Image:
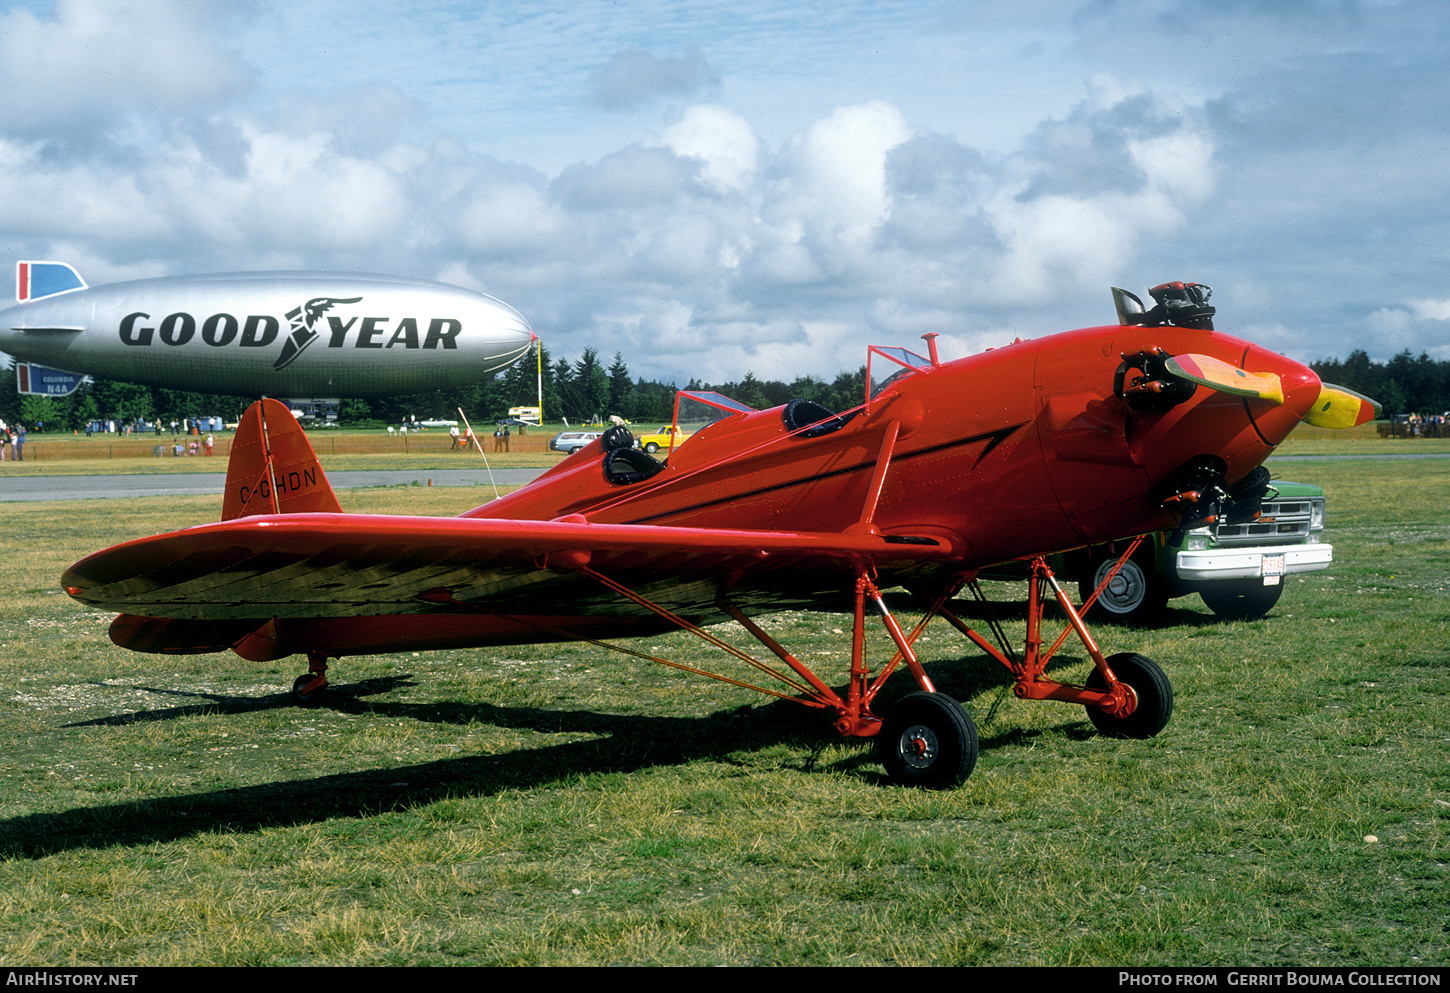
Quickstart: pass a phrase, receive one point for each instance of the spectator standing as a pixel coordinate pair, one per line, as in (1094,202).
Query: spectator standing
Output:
(20,444)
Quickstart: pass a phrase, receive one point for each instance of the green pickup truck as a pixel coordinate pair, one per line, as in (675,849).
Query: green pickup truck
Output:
(1238,569)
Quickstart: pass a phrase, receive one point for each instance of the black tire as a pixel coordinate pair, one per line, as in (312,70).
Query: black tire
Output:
(1155,697)
(1136,596)
(312,699)
(1241,600)
(651,448)
(928,740)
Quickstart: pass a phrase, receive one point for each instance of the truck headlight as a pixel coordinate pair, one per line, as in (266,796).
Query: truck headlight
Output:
(1196,543)
(1316,514)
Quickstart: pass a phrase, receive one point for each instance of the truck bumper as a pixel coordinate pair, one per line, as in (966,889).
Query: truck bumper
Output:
(1215,564)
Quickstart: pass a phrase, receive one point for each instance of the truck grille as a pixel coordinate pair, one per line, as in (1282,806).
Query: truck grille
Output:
(1281,522)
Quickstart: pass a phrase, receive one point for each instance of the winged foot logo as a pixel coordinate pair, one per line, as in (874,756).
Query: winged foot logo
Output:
(301,319)
(305,326)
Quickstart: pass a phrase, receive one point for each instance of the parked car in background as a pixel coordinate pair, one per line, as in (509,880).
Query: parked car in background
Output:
(1237,569)
(660,439)
(570,442)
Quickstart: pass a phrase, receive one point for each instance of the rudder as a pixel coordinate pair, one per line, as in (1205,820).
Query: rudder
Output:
(273,469)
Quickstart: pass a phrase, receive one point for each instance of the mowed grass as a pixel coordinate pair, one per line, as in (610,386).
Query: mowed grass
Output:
(564,805)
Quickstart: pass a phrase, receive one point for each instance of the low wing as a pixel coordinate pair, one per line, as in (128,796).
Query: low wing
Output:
(297,566)
(286,572)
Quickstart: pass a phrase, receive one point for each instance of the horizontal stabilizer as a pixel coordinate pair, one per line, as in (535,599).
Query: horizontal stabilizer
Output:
(172,636)
(1338,407)
(37,280)
(1219,375)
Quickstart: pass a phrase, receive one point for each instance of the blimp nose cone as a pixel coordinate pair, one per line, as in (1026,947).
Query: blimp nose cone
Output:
(510,336)
(1301,388)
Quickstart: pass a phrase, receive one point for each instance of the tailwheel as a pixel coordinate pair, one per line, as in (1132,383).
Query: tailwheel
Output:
(304,697)
(1154,692)
(928,740)
(310,688)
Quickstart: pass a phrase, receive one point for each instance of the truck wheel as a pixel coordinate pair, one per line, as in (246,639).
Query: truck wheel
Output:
(1155,697)
(651,448)
(1241,600)
(1137,594)
(928,740)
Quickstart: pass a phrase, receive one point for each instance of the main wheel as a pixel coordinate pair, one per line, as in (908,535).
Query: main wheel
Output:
(1155,697)
(307,699)
(1137,594)
(928,740)
(1241,600)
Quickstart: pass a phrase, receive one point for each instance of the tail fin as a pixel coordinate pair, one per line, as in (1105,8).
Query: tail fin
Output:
(35,280)
(273,469)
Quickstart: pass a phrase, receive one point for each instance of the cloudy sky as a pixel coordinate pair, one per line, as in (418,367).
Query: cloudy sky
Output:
(716,187)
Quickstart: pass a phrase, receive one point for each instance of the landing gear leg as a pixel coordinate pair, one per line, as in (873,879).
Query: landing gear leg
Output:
(1126,696)
(310,689)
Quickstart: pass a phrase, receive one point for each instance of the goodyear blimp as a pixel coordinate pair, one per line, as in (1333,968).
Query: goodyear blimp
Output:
(292,334)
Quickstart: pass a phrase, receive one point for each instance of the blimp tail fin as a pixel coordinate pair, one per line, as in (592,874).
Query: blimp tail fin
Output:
(37,280)
(273,469)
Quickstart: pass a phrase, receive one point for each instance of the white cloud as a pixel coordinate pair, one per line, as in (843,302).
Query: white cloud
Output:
(510,217)
(831,178)
(95,61)
(1431,310)
(1097,185)
(849,182)
(722,140)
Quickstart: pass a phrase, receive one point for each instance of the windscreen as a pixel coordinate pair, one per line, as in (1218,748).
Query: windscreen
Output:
(885,365)
(695,410)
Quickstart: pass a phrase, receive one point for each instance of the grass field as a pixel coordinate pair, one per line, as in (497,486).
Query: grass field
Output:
(563,805)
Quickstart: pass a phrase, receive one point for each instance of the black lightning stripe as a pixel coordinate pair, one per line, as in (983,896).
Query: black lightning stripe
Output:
(993,439)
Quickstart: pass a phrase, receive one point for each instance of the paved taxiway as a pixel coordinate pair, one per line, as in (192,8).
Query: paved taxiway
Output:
(183,483)
(179,484)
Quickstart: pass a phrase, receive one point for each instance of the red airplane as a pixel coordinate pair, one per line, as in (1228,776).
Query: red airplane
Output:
(1083,437)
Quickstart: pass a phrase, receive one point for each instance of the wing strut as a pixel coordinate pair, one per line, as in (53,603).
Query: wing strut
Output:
(878,479)
(853,714)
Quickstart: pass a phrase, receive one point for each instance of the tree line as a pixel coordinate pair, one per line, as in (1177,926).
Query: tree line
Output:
(1405,384)
(581,391)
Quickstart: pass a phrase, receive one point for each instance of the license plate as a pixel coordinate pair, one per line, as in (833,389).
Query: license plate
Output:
(1272,569)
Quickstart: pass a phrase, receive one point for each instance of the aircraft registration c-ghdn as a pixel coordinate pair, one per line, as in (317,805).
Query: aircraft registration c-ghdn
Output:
(297,334)
(1088,436)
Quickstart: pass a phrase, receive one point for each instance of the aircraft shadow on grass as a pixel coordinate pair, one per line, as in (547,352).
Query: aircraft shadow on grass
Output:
(626,744)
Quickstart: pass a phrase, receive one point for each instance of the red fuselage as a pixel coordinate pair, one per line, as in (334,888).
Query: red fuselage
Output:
(1012,453)
(1017,451)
